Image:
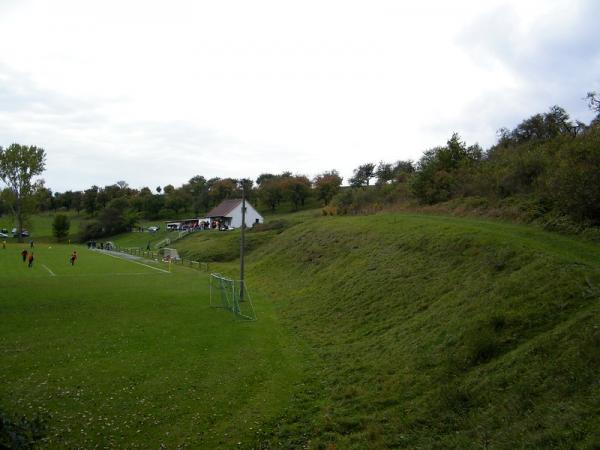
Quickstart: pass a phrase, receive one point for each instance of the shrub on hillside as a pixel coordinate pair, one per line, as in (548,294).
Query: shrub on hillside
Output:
(358,200)
(60,226)
(90,230)
(573,182)
(438,177)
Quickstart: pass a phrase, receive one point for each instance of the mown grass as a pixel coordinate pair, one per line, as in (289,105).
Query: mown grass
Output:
(116,354)
(436,332)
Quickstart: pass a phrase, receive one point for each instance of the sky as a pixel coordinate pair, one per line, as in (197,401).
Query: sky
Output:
(156,92)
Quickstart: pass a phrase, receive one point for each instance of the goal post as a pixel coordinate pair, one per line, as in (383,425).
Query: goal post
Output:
(226,293)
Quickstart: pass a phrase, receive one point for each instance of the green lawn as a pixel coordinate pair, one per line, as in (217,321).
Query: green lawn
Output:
(40,226)
(118,354)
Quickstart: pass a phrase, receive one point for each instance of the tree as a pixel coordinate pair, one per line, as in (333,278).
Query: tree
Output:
(403,170)
(61,226)
(362,175)
(178,200)
(117,217)
(296,189)
(77,202)
(270,192)
(90,200)
(593,100)
(541,127)
(246,185)
(437,178)
(42,196)
(19,164)
(198,189)
(572,179)
(384,173)
(223,189)
(327,185)
(264,177)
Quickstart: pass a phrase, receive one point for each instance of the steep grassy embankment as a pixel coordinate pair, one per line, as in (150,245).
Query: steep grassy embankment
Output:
(224,246)
(435,332)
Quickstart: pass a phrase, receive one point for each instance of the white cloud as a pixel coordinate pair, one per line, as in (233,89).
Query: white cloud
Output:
(155,93)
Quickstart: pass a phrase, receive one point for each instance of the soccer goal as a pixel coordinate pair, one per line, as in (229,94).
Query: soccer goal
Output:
(170,254)
(225,293)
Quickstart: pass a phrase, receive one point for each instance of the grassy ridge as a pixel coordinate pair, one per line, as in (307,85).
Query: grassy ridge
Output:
(438,332)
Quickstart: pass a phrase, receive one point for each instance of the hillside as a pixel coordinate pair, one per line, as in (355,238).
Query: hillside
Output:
(435,332)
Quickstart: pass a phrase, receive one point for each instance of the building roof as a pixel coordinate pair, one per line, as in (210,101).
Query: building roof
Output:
(225,207)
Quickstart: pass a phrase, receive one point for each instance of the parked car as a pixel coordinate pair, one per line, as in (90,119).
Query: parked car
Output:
(153,229)
(3,235)
(24,233)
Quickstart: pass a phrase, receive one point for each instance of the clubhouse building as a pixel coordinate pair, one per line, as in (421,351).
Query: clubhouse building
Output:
(227,215)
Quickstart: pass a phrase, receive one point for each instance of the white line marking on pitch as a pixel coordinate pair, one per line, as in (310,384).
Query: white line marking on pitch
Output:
(46,267)
(105,274)
(136,262)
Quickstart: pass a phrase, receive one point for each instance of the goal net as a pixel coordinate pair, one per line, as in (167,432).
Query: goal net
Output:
(170,254)
(225,293)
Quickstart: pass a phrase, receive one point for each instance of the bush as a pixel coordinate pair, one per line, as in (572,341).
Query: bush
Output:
(573,181)
(61,226)
(90,230)
(20,433)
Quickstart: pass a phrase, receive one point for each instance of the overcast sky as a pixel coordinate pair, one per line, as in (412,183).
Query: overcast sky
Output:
(155,92)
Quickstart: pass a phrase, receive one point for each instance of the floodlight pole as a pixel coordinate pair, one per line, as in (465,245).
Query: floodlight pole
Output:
(242,241)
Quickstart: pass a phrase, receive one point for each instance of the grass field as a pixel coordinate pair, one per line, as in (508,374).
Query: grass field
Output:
(118,354)
(374,332)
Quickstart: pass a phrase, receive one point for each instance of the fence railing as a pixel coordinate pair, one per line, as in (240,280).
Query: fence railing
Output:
(155,256)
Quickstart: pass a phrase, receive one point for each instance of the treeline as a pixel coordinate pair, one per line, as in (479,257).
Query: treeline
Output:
(117,208)
(547,168)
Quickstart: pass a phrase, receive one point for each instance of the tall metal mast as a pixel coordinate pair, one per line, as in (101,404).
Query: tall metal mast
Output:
(242,241)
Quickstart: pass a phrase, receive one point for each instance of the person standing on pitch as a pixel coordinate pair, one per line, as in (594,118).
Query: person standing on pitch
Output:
(24,255)
(73,257)
(30,260)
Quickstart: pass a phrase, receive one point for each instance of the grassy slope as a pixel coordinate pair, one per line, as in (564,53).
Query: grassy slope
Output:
(437,332)
(40,226)
(222,246)
(116,354)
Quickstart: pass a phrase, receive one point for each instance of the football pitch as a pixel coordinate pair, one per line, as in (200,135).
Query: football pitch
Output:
(121,353)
